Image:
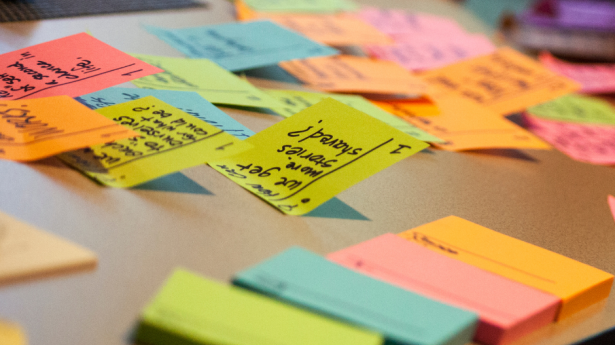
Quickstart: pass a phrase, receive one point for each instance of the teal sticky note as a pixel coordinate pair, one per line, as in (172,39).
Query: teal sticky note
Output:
(240,46)
(305,279)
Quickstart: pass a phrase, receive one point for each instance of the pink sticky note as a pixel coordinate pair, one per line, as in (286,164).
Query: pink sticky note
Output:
(612,205)
(400,22)
(586,143)
(73,66)
(507,309)
(594,78)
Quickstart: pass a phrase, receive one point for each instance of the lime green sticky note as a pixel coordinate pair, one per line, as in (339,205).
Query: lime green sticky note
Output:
(295,101)
(191,310)
(301,5)
(576,108)
(205,77)
(308,158)
(170,140)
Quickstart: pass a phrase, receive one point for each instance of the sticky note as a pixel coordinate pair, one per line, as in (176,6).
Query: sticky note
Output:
(11,334)
(37,128)
(507,310)
(399,22)
(577,285)
(576,108)
(170,140)
(295,101)
(505,81)
(28,252)
(347,73)
(190,102)
(611,200)
(318,6)
(240,46)
(585,143)
(190,310)
(422,106)
(73,66)
(309,281)
(204,77)
(594,77)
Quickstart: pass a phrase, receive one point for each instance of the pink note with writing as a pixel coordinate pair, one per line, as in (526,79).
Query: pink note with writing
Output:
(586,143)
(507,309)
(594,78)
(612,205)
(394,22)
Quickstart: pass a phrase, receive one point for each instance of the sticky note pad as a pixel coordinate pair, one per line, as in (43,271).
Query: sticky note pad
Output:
(29,252)
(37,128)
(303,161)
(73,66)
(170,140)
(301,5)
(240,46)
(307,280)
(577,285)
(11,334)
(191,310)
(507,309)
(576,108)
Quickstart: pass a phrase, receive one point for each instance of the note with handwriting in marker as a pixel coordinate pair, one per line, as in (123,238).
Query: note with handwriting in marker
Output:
(576,108)
(32,129)
(189,102)
(11,334)
(204,77)
(241,46)
(612,204)
(27,252)
(594,78)
(170,140)
(347,73)
(319,6)
(505,81)
(308,158)
(73,65)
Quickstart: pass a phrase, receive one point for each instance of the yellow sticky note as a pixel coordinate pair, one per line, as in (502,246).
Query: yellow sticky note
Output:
(577,284)
(306,159)
(205,77)
(505,81)
(170,140)
(11,334)
(32,129)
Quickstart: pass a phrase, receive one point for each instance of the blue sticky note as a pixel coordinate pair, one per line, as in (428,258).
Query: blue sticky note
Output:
(244,45)
(310,281)
(190,102)
(176,183)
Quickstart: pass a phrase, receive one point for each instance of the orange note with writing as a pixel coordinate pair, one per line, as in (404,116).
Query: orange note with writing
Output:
(422,106)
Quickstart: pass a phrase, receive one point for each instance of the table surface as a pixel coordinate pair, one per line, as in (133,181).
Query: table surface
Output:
(140,236)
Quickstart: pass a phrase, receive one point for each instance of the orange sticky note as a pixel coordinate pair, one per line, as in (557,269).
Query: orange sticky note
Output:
(505,81)
(577,285)
(243,12)
(74,65)
(612,204)
(37,128)
(344,73)
(422,106)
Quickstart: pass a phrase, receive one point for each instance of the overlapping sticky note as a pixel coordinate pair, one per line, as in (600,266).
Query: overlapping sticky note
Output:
(304,279)
(191,310)
(594,78)
(37,128)
(399,22)
(73,66)
(576,108)
(11,334)
(189,102)
(170,140)
(347,73)
(28,252)
(306,159)
(240,46)
(577,285)
(422,106)
(204,77)
(321,6)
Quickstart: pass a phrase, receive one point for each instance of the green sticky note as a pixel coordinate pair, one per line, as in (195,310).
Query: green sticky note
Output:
(192,310)
(322,6)
(576,108)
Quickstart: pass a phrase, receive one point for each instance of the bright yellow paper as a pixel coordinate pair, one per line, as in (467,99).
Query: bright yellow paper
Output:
(171,140)
(505,81)
(308,158)
(32,129)
(11,334)
(205,77)
(422,106)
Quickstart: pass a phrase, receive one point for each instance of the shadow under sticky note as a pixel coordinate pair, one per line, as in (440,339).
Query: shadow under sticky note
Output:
(336,208)
(177,182)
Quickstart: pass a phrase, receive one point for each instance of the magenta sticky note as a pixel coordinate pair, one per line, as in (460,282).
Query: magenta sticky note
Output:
(508,310)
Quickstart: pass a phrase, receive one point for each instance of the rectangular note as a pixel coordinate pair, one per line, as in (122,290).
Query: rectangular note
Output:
(303,161)
(170,140)
(318,6)
(507,310)
(73,66)
(37,128)
(593,77)
(191,310)
(306,280)
(576,108)
(577,285)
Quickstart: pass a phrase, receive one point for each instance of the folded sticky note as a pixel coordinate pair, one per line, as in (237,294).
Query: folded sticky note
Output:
(170,140)
(507,309)
(577,285)
(576,108)
(11,334)
(192,310)
(307,280)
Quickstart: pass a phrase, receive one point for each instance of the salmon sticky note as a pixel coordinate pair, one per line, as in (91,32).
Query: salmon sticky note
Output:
(576,108)
(594,78)
(577,285)
(72,66)
(11,334)
(308,158)
(37,128)
(170,140)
